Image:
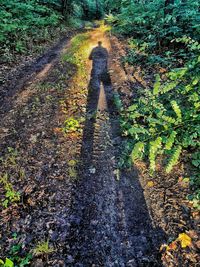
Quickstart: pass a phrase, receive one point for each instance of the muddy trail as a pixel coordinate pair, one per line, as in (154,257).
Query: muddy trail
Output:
(72,192)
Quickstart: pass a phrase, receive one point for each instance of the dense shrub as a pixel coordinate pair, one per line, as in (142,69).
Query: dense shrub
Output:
(162,122)
(24,24)
(156,23)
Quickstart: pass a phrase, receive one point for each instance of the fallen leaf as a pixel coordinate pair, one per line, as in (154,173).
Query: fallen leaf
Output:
(33,138)
(185,240)
(57,130)
(173,245)
(180,179)
(198,244)
(150,184)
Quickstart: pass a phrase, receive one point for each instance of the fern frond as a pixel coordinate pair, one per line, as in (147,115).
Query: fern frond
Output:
(156,85)
(153,150)
(136,130)
(138,151)
(133,107)
(176,109)
(166,118)
(155,121)
(170,140)
(174,159)
(168,87)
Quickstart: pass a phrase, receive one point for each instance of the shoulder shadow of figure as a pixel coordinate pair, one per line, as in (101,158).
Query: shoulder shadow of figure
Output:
(99,57)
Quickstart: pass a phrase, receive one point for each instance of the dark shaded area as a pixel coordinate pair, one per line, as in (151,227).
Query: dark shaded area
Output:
(27,73)
(45,166)
(110,221)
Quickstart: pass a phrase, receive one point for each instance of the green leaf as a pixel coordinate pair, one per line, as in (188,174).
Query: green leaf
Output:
(137,151)
(8,263)
(174,159)
(170,140)
(156,86)
(176,109)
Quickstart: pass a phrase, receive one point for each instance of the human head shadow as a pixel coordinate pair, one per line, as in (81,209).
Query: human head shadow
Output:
(135,224)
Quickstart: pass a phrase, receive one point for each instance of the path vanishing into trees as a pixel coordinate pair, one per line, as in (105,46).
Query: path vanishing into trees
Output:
(73,193)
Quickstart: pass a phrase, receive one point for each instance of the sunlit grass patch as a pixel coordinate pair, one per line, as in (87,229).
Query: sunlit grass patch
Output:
(11,195)
(75,50)
(43,248)
(72,125)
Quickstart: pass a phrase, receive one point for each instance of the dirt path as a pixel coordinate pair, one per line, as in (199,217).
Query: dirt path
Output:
(26,74)
(111,224)
(92,214)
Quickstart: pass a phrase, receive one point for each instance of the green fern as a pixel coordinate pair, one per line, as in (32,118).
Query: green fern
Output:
(168,87)
(138,151)
(170,140)
(167,118)
(43,248)
(137,130)
(174,159)
(156,86)
(153,151)
(176,109)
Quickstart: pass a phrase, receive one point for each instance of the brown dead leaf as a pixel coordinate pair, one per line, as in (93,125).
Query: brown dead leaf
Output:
(57,130)
(173,246)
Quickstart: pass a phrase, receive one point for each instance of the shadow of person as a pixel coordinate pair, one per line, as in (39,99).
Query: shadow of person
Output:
(110,223)
(99,98)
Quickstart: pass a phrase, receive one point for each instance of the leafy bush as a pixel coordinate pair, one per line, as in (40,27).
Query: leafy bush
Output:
(155,23)
(160,123)
(22,21)
(15,258)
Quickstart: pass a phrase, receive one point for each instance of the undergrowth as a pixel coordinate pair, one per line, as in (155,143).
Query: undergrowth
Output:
(165,122)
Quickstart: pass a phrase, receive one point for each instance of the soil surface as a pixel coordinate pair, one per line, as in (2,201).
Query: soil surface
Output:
(19,77)
(72,192)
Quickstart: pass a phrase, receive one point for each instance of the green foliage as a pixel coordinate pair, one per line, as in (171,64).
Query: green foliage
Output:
(150,21)
(195,185)
(196,160)
(24,25)
(43,248)
(166,120)
(22,20)
(7,263)
(157,33)
(170,140)
(118,102)
(71,125)
(15,259)
(154,147)
(174,159)
(138,151)
(11,196)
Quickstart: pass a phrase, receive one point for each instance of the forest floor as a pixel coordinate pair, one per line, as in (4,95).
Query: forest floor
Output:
(60,144)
